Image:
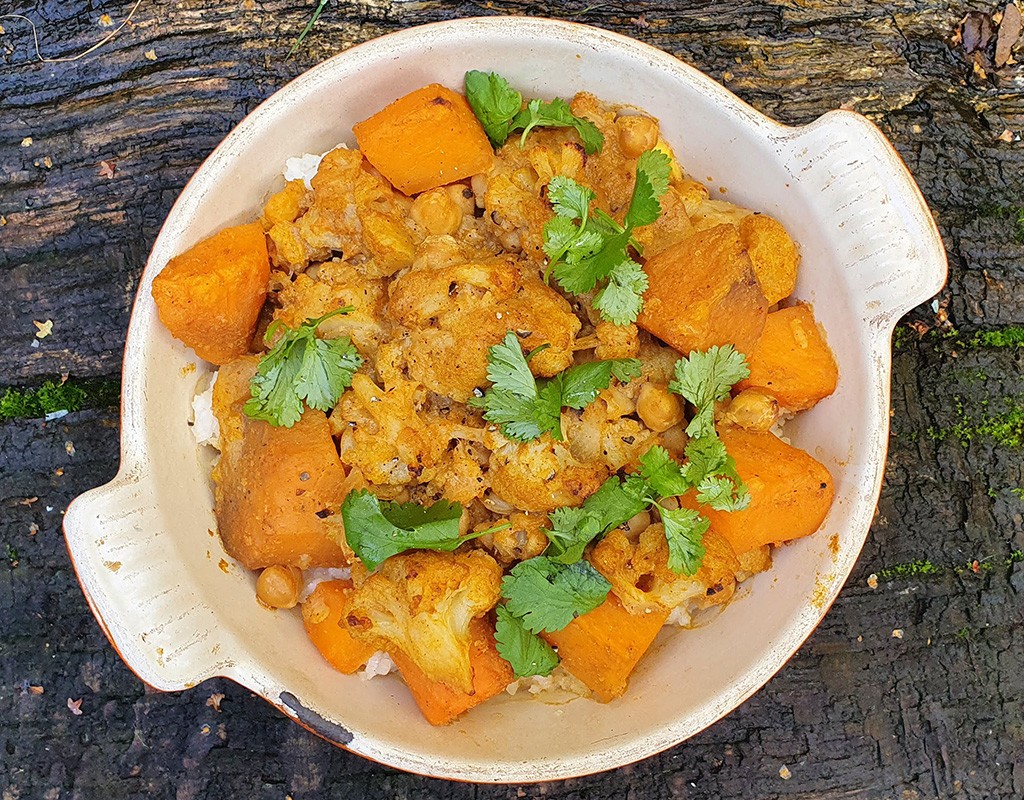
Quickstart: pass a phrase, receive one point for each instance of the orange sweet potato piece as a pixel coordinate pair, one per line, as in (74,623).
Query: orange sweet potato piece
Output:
(439,702)
(426,139)
(271,483)
(792,362)
(602,647)
(210,296)
(323,614)
(773,255)
(790,491)
(703,292)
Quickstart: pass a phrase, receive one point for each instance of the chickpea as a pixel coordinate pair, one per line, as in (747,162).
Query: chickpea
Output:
(752,409)
(636,525)
(463,197)
(674,440)
(524,539)
(637,134)
(279,586)
(436,211)
(658,407)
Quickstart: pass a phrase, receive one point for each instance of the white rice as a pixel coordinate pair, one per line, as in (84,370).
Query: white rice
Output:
(314,576)
(205,426)
(559,685)
(379,663)
(305,166)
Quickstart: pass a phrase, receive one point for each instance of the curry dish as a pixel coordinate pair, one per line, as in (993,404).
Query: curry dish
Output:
(500,392)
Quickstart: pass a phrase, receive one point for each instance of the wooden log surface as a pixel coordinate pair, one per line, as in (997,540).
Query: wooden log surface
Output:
(857,713)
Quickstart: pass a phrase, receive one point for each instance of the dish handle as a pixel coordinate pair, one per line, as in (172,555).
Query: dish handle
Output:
(885,228)
(124,562)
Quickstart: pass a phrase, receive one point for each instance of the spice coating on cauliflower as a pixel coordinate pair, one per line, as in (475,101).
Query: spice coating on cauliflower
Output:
(641,579)
(422,603)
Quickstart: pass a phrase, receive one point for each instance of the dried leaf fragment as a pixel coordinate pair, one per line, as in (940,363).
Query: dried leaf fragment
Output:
(35,689)
(976,31)
(1009,34)
(213,701)
(107,169)
(43,329)
(150,55)
(26,142)
(75,706)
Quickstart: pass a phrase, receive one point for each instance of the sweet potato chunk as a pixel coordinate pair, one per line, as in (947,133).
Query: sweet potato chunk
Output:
(426,139)
(773,255)
(439,702)
(703,292)
(790,491)
(792,362)
(323,614)
(602,647)
(273,485)
(210,296)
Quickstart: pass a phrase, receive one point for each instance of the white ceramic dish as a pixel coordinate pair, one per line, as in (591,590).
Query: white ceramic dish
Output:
(179,612)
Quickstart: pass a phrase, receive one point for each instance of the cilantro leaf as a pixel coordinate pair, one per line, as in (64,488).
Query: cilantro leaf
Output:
(525,408)
(653,170)
(547,595)
(570,199)
(704,378)
(548,408)
(662,473)
(722,493)
(508,367)
(572,529)
(617,501)
(301,367)
(527,653)
(557,114)
(514,414)
(621,299)
(684,532)
(705,457)
(377,530)
(582,384)
(494,102)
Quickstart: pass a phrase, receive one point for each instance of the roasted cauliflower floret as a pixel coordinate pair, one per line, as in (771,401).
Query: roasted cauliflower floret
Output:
(422,603)
(455,311)
(602,434)
(523,539)
(540,475)
(326,287)
(641,579)
(386,436)
(353,211)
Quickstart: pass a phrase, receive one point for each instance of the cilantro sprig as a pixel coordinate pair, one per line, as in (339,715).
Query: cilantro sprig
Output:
(705,378)
(525,408)
(301,368)
(547,595)
(377,530)
(527,653)
(586,247)
(500,110)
